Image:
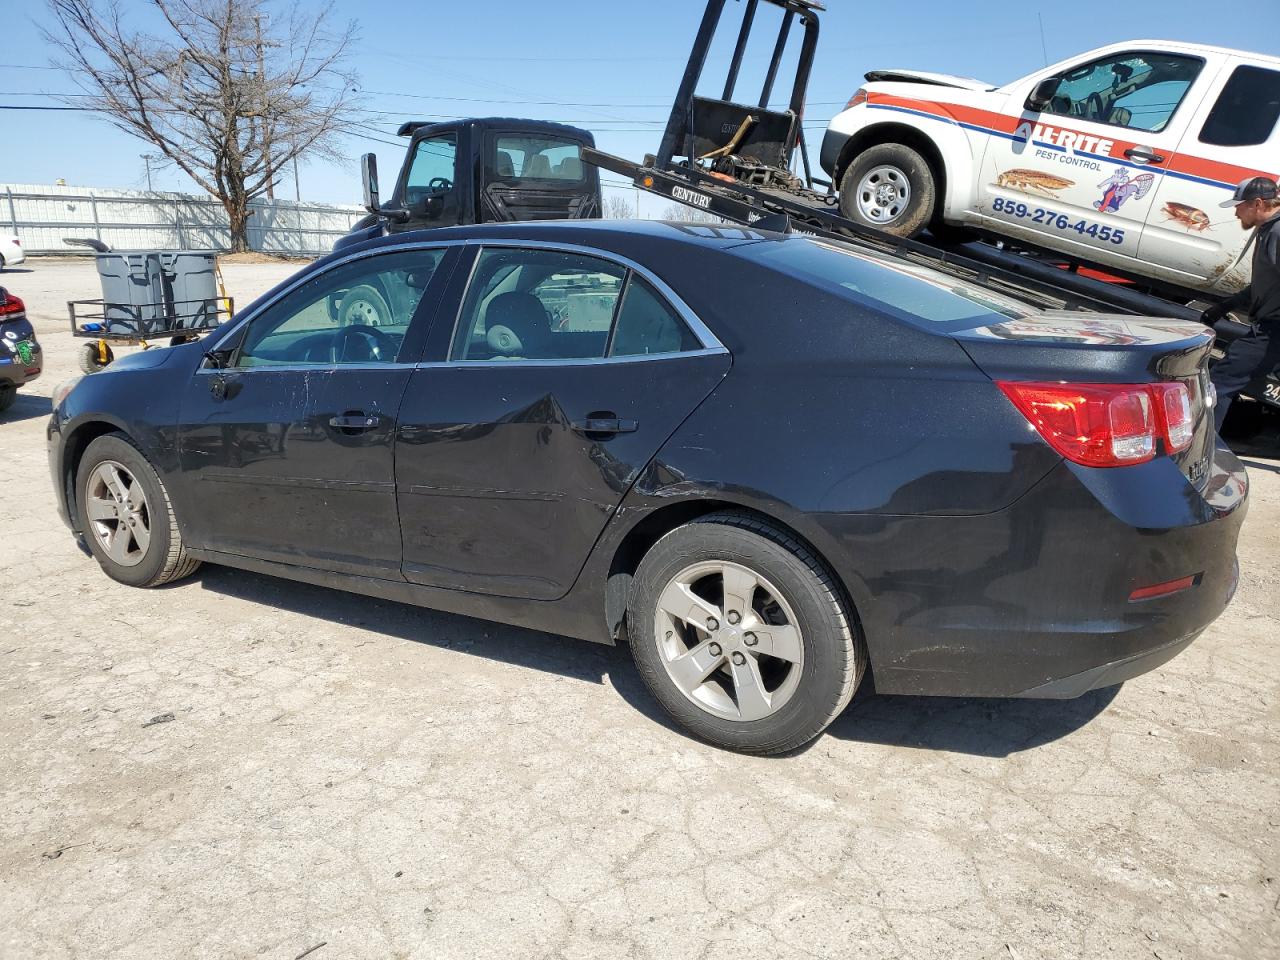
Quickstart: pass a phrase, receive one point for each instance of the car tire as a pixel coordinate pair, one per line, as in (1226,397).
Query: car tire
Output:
(363,305)
(120,518)
(748,699)
(90,362)
(8,394)
(889,187)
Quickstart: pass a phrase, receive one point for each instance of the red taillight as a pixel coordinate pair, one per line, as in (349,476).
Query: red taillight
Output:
(859,97)
(9,304)
(1107,424)
(1173,405)
(1094,424)
(1162,589)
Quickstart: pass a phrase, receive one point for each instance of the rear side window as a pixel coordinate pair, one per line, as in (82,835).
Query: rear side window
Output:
(1247,109)
(918,293)
(525,304)
(647,324)
(537,157)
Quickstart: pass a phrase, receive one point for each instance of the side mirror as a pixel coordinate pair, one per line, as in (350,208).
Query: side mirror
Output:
(372,202)
(369,177)
(1043,93)
(219,359)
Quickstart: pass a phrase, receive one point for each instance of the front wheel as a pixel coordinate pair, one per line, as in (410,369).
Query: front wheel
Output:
(126,516)
(742,636)
(889,187)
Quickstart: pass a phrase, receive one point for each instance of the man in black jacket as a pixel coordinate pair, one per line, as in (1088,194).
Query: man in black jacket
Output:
(1253,356)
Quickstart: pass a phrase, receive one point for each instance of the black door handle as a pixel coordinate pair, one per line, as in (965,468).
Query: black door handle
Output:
(604,426)
(355,422)
(1144,155)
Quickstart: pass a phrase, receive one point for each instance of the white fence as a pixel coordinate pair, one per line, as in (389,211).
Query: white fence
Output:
(136,219)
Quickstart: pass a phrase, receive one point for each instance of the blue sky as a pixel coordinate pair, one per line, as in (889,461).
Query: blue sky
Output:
(609,66)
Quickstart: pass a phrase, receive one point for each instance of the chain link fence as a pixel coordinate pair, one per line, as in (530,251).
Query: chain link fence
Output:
(43,215)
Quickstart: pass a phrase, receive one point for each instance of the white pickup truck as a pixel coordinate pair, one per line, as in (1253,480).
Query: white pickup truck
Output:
(1119,157)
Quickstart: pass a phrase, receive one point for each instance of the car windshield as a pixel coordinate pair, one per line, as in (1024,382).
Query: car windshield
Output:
(917,293)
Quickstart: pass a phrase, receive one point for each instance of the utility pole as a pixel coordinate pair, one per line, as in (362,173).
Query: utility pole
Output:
(266,124)
(146,159)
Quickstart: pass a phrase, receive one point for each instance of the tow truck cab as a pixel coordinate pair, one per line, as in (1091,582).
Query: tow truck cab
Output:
(484,170)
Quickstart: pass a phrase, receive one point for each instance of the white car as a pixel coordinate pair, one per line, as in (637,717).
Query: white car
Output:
(1119,157)
(10,251)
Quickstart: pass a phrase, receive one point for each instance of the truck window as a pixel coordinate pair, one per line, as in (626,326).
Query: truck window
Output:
(1140,91)
(1246,111)
(537,157)
(432,167)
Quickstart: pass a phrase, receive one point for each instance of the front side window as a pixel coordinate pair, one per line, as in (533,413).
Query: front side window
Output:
(356,313)
(1247,109)
(432,168)
(1139,91)
(537,157)
(555,305)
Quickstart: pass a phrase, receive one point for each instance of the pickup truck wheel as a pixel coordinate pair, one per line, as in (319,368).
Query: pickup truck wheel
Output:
(889,187)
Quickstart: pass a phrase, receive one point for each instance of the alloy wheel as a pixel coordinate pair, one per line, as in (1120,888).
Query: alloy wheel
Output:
(118,514)
(729,640)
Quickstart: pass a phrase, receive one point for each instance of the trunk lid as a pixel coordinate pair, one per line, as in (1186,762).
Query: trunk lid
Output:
(1104,348)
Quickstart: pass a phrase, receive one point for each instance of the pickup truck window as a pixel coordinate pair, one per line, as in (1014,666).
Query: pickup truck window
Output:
(1246,111)
(1140,91)
(432,168)
(535,157)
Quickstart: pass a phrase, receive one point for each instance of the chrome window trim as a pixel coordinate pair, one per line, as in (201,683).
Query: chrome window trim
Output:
(710,343)
(245,319)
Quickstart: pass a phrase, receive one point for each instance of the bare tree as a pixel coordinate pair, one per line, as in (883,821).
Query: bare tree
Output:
(223,91)
(617,208)
(678,211)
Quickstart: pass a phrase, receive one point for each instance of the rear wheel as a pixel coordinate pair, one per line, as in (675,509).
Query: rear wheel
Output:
(889,187)
(8,394)
(126,516)
(741,635)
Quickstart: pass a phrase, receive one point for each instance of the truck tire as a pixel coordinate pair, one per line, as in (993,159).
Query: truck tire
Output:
(889,187)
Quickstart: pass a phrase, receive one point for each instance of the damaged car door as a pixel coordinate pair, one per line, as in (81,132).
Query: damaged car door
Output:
(286,435)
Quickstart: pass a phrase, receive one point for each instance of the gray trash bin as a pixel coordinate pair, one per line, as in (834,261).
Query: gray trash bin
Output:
(147,292)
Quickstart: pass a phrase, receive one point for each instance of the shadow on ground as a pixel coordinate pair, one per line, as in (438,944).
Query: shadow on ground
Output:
(991,728)
(26,407)
(982,727)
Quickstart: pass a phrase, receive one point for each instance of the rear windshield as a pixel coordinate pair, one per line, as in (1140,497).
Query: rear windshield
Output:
(526,156)
(915,293)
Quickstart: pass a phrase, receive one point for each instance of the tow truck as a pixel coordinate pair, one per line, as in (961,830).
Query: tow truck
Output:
(480,170)
(735,160)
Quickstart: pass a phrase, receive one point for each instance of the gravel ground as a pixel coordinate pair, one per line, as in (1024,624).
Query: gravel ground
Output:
(238,766)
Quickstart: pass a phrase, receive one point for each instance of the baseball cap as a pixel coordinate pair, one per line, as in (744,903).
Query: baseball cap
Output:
(1254,188)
